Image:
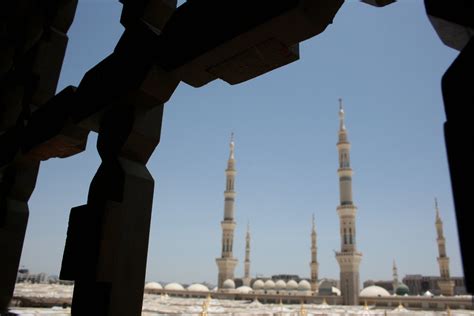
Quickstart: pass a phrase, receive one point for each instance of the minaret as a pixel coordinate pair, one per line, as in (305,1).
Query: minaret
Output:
(226,263)
(247,279)
(314,260)
(348,258)
(395,277)
(445,284)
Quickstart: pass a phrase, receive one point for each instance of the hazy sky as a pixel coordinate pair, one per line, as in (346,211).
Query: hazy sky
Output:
(386,64)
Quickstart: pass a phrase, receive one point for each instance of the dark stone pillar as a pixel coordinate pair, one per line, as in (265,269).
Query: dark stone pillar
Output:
(17,182)
(107,243)
(458,98)
(32,46)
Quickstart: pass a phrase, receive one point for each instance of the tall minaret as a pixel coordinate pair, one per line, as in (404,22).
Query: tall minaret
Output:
(348,258)
(226,263)
(314,260)
(395,277)
(247,279)
(445,284)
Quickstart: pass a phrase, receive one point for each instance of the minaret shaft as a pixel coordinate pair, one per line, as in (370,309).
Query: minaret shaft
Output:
(247,279)
(348,258)
(226,263)
(445,283)
(395,276)
(314,265)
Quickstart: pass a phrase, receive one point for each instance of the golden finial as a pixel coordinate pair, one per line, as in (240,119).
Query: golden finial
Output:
(303,311)
(400,305)
(366,307)
(204,309)
(324,301)
(448,310)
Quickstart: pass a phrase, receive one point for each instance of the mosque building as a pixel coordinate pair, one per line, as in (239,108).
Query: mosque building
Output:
(348,258)
(292,287)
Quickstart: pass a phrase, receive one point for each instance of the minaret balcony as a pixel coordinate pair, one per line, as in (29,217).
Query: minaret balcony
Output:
(347,210)
(350,260)
(229,194)
(228,224)
(343,144)
(345,172)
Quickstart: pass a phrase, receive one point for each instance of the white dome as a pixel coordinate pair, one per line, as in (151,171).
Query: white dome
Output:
(196,287)
(257,285)
(336,291)
(174,287)
(304,286)
(291,285)
(228,284)
(280,285)
(153,286)
(374,291)
(269,285)
(244,289)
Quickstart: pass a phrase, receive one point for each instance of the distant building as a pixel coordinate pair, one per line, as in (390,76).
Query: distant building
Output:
(419,284)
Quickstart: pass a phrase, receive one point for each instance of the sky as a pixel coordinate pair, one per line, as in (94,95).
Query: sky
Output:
(385,63)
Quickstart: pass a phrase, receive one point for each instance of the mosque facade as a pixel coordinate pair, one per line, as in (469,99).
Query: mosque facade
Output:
(293,288)
(348,257)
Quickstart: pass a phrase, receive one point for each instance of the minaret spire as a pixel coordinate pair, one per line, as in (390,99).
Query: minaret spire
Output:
(232,146)
(395,276)
(445,283)
(226,263)
(348,258)
(341,116)
(247,279)
(314,265)
(438,218)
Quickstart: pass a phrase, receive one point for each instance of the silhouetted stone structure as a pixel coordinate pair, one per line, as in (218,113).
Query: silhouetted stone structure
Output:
(122,98)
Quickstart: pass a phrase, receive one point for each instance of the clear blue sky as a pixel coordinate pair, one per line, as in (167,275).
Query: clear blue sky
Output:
(385,63)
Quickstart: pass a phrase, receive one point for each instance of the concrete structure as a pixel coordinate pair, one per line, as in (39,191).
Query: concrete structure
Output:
(314,265)
(246,279)
(226,263)
(348,258)
(445,283)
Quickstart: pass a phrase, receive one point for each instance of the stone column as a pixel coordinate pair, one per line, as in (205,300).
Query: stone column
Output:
(107,243)
(31,57)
